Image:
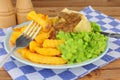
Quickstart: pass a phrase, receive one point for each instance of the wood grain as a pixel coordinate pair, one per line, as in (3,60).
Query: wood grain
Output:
(54,10)
(109,7)
(73,3)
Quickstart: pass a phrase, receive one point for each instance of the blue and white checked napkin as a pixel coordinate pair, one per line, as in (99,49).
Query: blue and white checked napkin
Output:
(19,71)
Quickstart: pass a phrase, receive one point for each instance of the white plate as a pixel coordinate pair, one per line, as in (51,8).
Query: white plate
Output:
(18,57)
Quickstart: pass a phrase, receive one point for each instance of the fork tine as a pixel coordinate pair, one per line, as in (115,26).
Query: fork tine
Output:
(28,27)
(39,27)
(32,30)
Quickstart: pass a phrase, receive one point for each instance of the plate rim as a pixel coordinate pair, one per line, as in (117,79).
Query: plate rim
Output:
(6,41)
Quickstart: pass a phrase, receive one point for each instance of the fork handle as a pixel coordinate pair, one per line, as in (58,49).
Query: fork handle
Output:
(115,35)
(7,57)
(112,35)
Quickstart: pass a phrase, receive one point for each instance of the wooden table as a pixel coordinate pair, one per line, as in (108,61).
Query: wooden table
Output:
(109,7)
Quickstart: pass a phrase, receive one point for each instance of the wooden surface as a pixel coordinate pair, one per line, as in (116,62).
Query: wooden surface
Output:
(109,7)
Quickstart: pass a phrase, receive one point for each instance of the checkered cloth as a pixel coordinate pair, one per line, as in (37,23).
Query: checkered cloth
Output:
(20,71)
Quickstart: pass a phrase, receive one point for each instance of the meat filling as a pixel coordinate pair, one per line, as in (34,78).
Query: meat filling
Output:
(71,20)
(68,24)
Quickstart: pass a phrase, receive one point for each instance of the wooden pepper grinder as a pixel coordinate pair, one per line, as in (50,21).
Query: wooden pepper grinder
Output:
(23,7)
(7,14)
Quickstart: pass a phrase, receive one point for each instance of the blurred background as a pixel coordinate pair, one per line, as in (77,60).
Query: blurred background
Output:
(51,7)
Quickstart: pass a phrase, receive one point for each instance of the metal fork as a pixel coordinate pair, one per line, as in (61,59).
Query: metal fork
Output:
(112,35)
(24,39)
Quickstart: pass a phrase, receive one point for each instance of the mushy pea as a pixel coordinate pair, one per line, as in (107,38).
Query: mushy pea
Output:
(82,46)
